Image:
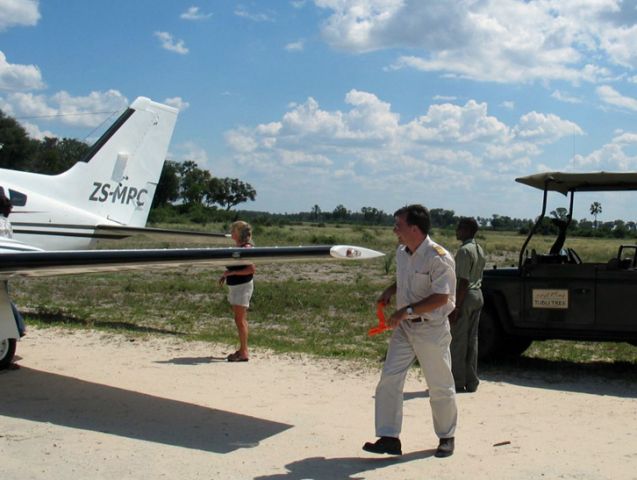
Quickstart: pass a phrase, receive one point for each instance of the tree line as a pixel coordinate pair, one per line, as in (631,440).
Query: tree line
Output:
(447,219)
(49,156)
(188,193)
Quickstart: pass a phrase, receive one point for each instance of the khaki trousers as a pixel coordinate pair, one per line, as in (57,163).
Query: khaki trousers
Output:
(430,344)
(464,341)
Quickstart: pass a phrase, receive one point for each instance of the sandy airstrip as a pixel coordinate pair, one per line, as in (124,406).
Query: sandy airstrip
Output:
(88,405)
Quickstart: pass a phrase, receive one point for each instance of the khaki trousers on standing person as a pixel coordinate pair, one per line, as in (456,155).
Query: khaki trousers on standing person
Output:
(464,343)
(430,344)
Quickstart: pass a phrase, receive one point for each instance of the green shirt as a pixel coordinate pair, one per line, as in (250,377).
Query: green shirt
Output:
(470,263)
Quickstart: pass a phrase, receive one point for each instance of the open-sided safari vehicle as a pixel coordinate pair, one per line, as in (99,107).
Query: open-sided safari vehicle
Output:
(555,295)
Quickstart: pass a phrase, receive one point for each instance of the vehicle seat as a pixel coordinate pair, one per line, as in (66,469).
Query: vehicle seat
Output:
(617,264)
(551,259)
(545,259)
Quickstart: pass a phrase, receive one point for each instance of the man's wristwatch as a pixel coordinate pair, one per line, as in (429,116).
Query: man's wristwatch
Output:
(410,310)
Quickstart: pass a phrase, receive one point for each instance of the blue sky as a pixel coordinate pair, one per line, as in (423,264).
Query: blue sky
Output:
(357,102)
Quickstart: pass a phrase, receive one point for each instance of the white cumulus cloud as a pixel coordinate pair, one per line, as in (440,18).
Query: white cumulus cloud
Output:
(193,13)
(243,12)
(169,43)
(545,128)
(448,122)
(565,97)
(14,77)
(507,41)
(612,97)
(84,111)
(34,131)
(614,156)
(297,46)
(177,102)
(191,151)
(15,13)
(368,144)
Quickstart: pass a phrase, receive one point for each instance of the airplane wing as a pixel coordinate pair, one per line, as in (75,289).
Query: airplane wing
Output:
(64,262)
(117,232)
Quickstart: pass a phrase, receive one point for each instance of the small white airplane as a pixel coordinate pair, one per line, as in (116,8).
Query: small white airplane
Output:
(58,219)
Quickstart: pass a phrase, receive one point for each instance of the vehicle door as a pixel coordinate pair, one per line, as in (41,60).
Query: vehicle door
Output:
(558,296)
(616,297)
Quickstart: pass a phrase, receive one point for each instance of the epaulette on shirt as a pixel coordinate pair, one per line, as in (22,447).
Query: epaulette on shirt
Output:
(439,250)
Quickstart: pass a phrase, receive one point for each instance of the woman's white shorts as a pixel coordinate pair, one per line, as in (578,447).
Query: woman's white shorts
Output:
(241,294)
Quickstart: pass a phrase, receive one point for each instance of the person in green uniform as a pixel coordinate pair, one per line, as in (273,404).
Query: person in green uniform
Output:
(464,319)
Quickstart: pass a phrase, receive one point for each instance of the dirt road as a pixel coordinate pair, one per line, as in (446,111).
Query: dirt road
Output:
(87,405)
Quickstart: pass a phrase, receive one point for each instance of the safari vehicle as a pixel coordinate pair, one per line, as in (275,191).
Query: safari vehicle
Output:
(555,295)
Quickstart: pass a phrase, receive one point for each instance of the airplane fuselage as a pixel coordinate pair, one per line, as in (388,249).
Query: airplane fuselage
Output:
(113,185)
(44,222)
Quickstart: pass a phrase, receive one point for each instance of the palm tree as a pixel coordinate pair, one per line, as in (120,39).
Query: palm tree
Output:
(316,212)
(596,209)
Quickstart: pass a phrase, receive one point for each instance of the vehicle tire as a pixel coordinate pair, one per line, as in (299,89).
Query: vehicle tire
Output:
(494,343)
(7,351)
(490,337)
(515,346)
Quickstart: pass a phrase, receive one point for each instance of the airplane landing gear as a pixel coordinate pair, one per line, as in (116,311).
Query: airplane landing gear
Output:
(7,351)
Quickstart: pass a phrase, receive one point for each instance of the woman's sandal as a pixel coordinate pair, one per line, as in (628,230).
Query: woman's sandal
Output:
(236,357)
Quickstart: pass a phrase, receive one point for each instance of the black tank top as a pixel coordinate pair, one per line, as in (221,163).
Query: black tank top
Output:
(238,279)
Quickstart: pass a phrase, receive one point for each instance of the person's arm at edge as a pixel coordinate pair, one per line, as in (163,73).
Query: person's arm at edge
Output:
(389,292)
(462,288)
(247,270)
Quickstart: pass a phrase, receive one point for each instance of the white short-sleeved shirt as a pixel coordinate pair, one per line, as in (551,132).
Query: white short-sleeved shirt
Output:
(428,270)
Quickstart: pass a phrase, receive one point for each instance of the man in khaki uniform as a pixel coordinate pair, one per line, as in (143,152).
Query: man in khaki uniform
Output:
(464,319)
(425,290)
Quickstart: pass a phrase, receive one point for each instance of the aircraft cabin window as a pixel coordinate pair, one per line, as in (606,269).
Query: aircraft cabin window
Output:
(17,199)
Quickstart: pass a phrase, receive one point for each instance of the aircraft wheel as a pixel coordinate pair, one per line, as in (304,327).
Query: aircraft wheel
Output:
(7,351)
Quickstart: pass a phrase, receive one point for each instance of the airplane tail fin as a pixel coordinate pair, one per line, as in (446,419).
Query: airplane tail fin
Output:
(118,177)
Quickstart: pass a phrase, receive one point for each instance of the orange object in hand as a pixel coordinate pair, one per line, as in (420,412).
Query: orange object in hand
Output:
(382,326)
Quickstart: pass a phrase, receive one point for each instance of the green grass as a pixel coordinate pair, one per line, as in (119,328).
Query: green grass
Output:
(578,352)
(323,309)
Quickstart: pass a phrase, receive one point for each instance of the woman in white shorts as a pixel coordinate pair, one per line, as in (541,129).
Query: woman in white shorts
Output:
(240,288)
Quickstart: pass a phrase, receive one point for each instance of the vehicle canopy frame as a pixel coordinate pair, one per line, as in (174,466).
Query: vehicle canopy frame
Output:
(570,182)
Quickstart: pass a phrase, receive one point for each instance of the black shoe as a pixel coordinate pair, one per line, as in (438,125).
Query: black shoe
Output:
(445,448)
(460,390)
(472,388)
(390,445)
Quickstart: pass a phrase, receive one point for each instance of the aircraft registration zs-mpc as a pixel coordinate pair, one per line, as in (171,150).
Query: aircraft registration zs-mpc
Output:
(58,219)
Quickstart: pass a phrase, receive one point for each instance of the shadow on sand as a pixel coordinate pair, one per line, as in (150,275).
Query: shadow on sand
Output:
(321,468)
(62,319)
(47,397)
(194,360)
(599,378)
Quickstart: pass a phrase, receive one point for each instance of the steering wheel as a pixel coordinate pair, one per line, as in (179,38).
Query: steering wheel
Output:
(573,257)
